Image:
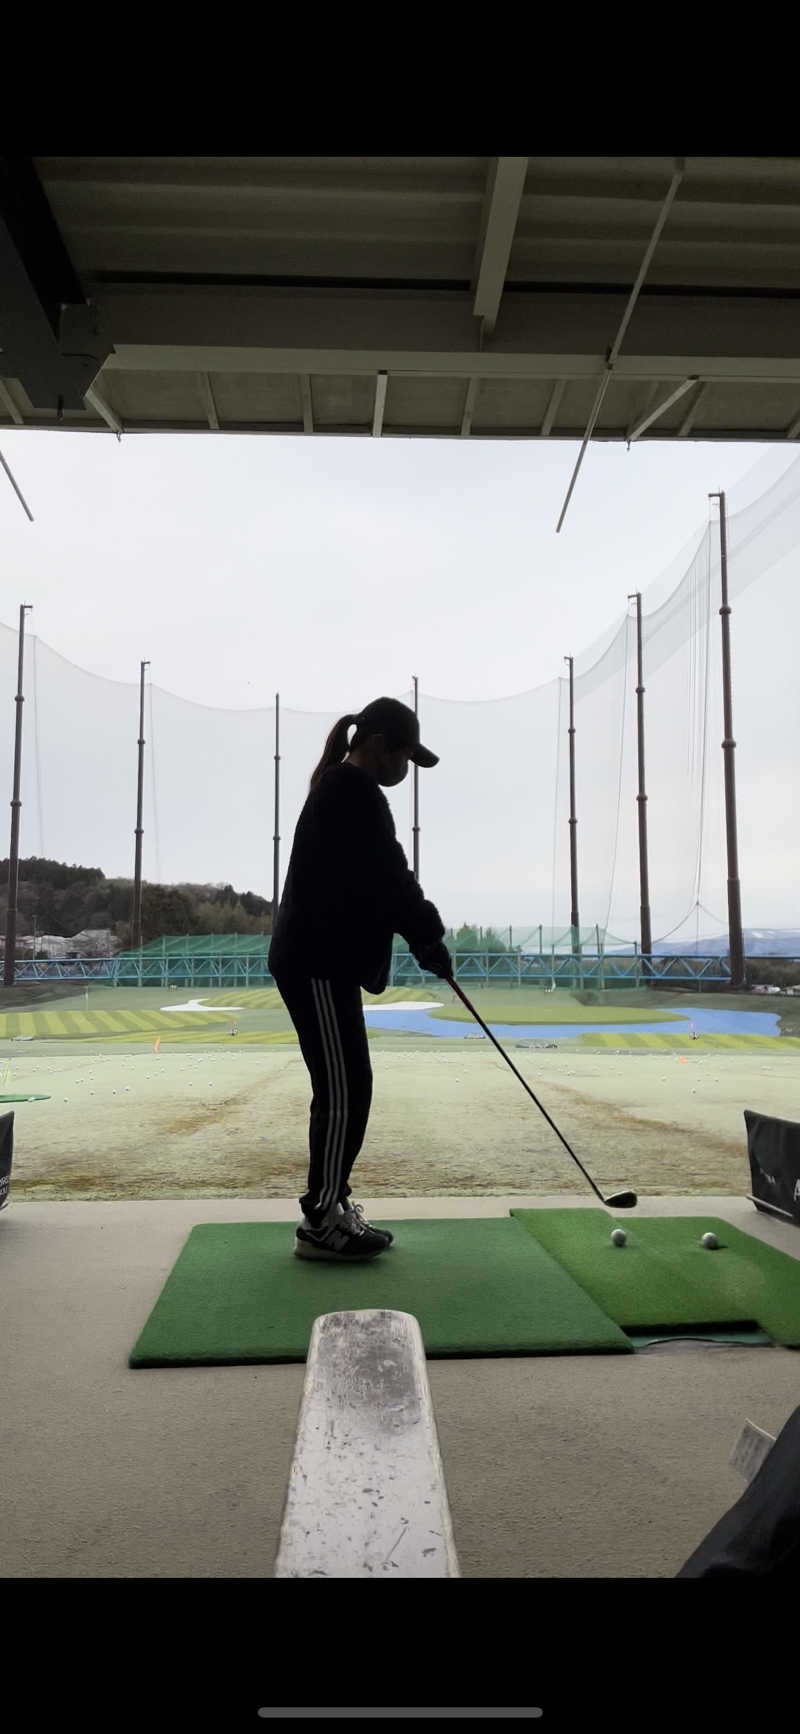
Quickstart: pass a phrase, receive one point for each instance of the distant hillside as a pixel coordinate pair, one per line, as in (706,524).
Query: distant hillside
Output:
(62,901)
(758,942)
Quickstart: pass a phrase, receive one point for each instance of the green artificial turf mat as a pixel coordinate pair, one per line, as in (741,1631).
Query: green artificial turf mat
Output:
(477,1287)
(664,1277)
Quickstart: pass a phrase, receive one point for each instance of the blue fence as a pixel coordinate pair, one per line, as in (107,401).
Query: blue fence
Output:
(507,969)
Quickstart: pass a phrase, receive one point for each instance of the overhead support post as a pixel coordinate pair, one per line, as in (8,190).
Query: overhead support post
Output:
(308,408)
(469,408)
(209,402)
(613,352)
(381,384)
(17,490)
(13,409)
(504,189)
(661,408)
(94,397)
(552,409)
(689,419)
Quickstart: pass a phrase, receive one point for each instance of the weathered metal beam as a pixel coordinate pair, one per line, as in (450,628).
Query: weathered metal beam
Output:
(504,189)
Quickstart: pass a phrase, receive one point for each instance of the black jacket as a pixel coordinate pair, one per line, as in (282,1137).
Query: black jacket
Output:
(348,887)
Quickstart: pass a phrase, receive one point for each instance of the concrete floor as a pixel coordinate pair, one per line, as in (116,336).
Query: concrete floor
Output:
(578,1466)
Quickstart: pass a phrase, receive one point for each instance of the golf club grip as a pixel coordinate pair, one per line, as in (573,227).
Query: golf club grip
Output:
(479,1019)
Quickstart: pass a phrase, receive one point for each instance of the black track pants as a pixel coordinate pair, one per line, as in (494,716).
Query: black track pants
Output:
(329,1019)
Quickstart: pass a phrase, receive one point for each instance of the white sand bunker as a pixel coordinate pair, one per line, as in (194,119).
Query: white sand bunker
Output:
(197,1005)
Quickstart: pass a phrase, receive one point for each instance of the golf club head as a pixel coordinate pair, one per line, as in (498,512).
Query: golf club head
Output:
(623,1200)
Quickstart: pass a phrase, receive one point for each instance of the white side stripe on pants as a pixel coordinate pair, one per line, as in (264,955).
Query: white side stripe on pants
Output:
(337,1085)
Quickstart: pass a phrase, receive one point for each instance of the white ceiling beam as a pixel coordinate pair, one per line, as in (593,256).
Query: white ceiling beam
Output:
(550,413)
(308,407)
(652,394)
(469,408)
(504,189)
(688,420)
(98,403)
(660,409)
(454,364)
(377,327)
(207,394)
(7,399)
(381,384)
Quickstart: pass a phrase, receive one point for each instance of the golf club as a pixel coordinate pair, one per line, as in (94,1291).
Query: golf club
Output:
(620,1200)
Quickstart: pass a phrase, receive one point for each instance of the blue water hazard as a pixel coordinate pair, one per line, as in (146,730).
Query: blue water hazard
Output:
(723,1023)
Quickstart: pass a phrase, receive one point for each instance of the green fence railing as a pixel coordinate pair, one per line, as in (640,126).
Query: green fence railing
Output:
(242,969)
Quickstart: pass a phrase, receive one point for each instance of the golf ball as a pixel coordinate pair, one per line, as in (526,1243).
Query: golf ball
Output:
(709,1240)
(618,1236)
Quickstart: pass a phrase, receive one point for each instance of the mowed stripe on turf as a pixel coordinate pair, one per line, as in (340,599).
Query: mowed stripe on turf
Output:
(703,1044)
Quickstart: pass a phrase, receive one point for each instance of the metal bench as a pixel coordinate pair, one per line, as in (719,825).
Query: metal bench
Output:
(366,1494)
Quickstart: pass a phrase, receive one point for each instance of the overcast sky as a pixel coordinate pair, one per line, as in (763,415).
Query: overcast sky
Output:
(333,570)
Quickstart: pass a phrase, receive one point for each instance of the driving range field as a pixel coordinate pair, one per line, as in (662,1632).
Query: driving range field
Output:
(214,1113)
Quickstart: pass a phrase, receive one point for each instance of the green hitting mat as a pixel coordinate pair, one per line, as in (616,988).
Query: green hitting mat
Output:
(663,1277)
(478,1287)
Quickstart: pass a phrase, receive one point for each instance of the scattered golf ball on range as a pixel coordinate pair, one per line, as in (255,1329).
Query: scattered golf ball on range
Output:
(709,1240)
(618,1236)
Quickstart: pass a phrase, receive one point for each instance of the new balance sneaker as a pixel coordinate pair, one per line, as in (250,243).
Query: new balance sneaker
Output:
(356,1212)
(343,1237)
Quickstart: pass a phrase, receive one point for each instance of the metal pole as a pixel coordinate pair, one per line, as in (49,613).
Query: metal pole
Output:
(416,793)
(137,877)
(573,823)
(735,938)
(641,798)
(13,854)
(276,841)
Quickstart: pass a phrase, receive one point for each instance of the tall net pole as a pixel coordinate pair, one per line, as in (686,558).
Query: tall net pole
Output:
(735,937)
(137,875)
(574,918)
(276,840)
(13,854)
(415,827)
(641,798)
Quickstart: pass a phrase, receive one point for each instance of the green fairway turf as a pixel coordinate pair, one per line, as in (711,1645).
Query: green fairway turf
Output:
(140,1015)
(682,1043)
(665,1277)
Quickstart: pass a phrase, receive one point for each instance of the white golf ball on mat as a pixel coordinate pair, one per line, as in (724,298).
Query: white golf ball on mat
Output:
(618,1236)
(709,1240)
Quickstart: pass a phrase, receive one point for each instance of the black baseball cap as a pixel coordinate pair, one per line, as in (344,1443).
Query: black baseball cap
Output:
(400,725)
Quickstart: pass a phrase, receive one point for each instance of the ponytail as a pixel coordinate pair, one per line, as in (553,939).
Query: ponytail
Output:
(335,750)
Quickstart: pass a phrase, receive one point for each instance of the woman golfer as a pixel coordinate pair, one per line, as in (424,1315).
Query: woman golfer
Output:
(348,890)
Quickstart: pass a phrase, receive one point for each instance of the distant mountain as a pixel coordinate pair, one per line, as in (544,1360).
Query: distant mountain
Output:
(758,942)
